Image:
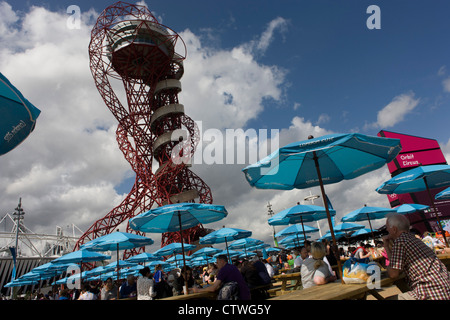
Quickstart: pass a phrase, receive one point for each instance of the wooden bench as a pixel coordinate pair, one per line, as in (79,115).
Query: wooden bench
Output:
(284,278)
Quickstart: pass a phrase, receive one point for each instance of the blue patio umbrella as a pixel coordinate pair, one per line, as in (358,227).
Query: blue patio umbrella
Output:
(319,161)
(178,257)
(117,241)
(419,179)
(153,264)
(347,226)
(168,218)
(367,213)
(360,232)
(200,260)
(244,255)
(410,208)
(245,243)
(81,256)
(177,217)
(96,271)
(209,251)
(118,264)
(21,283)
(444,194)
(327,236)
(173,248)
(296,229)
(224,235)
(143,257)
(229,253)
(296,239)
(18,116)
(273,250)
(301,213)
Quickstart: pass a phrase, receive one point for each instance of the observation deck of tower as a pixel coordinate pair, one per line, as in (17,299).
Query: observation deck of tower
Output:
(130,45)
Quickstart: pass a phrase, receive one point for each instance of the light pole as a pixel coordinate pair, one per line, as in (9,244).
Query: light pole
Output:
(271,213)
(18,215)
(311,198)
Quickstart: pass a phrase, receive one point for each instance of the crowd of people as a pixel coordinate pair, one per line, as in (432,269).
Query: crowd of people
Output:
(402,250)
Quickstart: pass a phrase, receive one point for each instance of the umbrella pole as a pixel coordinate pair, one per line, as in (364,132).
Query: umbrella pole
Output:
(371,229)
(303,227)
(228,252)
(182,249)
(118,288)
(330,224)
(435,210)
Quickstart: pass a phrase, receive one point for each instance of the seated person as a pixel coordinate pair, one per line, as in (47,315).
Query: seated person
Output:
(227,273)
(179,282)
(314,270)
(128,289)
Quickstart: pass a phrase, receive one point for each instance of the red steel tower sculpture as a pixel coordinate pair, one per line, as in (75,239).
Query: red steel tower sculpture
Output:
(128,44)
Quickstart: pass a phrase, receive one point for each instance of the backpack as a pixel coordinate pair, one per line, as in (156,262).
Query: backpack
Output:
(229,291)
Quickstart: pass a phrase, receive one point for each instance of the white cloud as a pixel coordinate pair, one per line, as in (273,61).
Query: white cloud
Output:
(396,110)
(226,88)
(267,36)
(446,84)
(66,170)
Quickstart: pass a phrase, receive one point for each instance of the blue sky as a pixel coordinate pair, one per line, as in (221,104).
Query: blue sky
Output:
(302,67)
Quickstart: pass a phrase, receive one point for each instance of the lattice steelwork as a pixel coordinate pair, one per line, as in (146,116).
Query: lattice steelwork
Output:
(128,44)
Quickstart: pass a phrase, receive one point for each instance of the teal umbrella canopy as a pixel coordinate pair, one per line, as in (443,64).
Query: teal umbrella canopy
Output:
(367,213)
(319,161)
(20,283)
(361,232)
(347,226)
(245,243)
(206,251)
(410,208)
(420,179)
(117,241)
(340,157)
(225,235)
(153,264)
(229,253)
(299,214)
(18,116)
(172,217)
(81,256)
(118,264)
(296,229)
(417,179)
(273,250)
(327,236)
(143,257)
(173,248)
(294,239)
(444,194)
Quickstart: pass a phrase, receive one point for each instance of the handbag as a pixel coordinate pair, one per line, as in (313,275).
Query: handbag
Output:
(356,270)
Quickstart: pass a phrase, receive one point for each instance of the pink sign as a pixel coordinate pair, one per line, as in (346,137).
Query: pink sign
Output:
(415,159)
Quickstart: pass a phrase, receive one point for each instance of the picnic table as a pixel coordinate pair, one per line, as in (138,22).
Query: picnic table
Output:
(337,291)
(284,278)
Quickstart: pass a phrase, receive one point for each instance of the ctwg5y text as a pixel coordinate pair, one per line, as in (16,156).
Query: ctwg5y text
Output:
(227,309)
